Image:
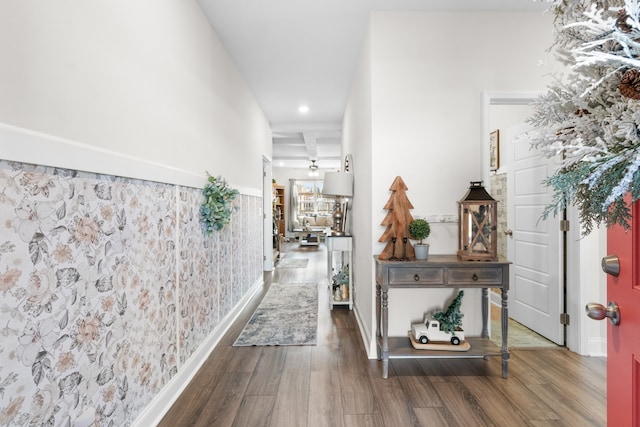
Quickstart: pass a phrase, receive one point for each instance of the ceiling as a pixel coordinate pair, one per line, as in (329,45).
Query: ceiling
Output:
(304,52)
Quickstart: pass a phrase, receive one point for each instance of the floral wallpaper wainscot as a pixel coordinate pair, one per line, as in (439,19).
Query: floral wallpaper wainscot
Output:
(90,283)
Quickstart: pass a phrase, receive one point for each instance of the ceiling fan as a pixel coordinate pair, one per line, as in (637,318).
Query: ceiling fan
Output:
(313,168)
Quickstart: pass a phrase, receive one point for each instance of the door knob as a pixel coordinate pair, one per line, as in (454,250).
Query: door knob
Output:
(508,232)
(598,312)
(611,265)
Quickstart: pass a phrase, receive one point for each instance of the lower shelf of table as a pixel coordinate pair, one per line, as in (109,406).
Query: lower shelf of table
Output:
(401,348)
(341,303)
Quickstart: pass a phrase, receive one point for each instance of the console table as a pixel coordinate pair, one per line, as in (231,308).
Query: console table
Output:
(320,232)
(344,246)
(440,271)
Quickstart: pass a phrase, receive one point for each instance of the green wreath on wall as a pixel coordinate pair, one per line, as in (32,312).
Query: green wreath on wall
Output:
(217,207)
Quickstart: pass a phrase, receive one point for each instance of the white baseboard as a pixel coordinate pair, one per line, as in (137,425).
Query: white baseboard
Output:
(597,347)
(367,340)
(162,402)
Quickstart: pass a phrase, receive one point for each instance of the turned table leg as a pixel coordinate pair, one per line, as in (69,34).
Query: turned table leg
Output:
(505,329)
(385,333)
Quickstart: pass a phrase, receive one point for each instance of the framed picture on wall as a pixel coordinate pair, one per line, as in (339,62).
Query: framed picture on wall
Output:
(494,150)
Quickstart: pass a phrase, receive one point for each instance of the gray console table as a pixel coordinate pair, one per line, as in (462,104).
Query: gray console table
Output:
(440,271)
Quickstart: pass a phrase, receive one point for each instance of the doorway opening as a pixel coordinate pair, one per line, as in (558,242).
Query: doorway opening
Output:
(535,248)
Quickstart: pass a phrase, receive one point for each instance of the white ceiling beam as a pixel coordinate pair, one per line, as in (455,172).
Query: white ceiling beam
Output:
(310,141)
(303,126)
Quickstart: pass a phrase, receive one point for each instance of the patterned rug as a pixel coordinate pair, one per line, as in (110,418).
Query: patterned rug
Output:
(293,263)
(518,336)
(288,315)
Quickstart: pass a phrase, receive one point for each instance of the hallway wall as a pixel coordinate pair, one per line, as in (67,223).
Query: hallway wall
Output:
(427,72)
(111,114)
(109,287)
(149,80)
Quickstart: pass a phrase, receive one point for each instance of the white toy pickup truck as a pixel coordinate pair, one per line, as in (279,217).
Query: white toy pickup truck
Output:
(429,330)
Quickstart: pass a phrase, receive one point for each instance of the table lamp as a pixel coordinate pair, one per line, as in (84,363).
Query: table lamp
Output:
(339,184)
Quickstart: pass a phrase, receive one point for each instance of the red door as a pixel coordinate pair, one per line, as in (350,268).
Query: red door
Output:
(623,340)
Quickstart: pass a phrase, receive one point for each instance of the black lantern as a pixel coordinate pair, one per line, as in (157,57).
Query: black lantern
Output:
(477,229)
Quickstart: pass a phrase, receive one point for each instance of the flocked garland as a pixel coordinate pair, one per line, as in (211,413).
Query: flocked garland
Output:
(216,208)
(591,115)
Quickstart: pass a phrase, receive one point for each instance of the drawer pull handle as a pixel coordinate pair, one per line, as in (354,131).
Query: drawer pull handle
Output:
(416,277)
(475,277)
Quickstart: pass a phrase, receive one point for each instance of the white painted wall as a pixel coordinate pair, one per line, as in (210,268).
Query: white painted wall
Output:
(357,132)
(428,71)
(145,79)
(503,116)
(592,335)
(140,89)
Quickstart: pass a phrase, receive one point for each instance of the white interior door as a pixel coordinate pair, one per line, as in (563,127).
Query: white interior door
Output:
(535,248)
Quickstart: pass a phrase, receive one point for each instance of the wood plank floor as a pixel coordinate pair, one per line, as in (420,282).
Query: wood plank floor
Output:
(334,384)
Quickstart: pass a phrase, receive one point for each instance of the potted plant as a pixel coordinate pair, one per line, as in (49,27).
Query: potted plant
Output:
(419,229)
(340,283)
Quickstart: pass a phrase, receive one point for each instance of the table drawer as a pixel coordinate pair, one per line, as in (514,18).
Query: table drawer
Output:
(415,276)
(471,276)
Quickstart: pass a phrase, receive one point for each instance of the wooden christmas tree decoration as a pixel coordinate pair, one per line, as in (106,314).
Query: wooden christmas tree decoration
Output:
(397,221)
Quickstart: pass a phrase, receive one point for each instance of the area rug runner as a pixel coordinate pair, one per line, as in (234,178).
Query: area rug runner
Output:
(288,315)
(518,335)
(293,263)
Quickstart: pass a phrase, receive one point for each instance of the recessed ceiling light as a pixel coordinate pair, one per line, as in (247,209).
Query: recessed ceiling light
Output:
(304,109)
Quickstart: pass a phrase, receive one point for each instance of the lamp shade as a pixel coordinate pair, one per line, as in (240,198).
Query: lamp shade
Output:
(338,184)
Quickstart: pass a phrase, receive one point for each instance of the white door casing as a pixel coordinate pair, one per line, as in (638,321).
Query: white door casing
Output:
(536,296)
(267,215)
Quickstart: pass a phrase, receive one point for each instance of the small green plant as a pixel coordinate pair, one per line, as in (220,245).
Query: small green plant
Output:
(419,229)
(216,209)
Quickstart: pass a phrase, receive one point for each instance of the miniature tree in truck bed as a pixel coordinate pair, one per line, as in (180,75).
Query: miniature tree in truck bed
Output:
(451,319)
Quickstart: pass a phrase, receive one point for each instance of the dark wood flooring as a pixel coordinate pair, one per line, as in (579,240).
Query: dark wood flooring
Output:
(334,384)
